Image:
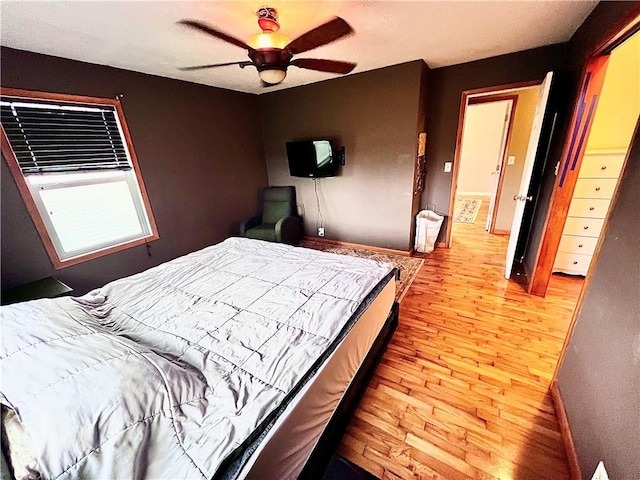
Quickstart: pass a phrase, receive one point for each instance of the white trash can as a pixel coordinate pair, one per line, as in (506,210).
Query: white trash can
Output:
(428,225)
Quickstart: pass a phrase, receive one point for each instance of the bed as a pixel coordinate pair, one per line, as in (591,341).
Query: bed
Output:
(241,360)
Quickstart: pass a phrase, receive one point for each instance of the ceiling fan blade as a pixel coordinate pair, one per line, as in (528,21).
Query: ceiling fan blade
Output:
(203,27)
(333,66)
(322,35)
(201,67)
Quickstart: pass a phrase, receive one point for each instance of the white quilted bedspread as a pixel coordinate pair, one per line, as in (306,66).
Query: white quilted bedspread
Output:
(164,373)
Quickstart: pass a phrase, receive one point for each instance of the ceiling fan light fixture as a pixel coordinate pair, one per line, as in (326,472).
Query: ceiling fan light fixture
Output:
(272,76)
(268,40)
(271,53)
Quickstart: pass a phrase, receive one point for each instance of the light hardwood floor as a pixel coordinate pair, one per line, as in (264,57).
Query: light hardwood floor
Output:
(463,388)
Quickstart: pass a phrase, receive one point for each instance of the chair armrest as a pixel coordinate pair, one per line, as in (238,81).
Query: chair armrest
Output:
(288,230)
(249,223)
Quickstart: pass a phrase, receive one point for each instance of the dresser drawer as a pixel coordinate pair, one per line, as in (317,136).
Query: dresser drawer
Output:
(572,263)
(584,227)
(589,207)
(602,165)
(595,187)
(575,244)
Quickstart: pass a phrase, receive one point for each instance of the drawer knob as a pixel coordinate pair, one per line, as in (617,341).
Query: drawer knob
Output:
(597,189)
(580,246)
(586,227)
(592,208)
(604,167)
(575,262)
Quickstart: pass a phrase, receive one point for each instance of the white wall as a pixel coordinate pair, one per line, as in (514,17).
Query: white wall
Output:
(484,125)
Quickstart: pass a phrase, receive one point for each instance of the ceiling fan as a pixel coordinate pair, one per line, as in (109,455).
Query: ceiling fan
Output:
(272,53)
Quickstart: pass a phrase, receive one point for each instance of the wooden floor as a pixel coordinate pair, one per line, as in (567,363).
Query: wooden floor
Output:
(463,388)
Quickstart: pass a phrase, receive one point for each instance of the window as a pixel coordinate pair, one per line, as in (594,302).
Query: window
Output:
(77,172)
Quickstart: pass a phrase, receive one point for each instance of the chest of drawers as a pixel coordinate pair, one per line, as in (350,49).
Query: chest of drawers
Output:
(596,184)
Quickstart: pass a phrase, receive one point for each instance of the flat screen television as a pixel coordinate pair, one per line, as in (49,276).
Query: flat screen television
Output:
(312,158)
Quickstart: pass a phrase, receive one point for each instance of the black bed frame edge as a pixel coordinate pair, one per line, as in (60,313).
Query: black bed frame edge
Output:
(330,438)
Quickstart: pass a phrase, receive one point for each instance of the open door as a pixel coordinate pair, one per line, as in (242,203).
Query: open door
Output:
(521,198)
(498,170)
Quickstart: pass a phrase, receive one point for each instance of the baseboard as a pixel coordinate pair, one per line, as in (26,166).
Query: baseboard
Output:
(565,431)
(415,253)
(501,232)
(338,243)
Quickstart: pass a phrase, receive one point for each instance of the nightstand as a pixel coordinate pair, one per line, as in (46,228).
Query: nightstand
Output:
(44,288)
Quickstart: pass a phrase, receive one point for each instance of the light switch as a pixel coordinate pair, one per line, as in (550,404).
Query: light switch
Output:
(511,160)
(447,167)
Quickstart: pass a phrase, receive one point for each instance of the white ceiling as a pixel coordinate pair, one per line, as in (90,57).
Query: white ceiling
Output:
(143,35)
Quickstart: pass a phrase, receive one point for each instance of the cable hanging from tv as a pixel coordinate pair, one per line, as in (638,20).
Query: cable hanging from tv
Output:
(319,219)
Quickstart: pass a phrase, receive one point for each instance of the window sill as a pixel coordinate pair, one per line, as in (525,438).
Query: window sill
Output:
(59,264)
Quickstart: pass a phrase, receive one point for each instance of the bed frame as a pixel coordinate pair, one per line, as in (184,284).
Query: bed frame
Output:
(330,438)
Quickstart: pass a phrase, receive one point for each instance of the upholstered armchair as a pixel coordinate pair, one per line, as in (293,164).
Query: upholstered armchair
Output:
(279,221)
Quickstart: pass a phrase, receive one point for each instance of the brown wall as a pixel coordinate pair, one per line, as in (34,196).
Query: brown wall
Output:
(609,16)
(600,376)
(375,116)
(422,127)
(199,149)
(446,85)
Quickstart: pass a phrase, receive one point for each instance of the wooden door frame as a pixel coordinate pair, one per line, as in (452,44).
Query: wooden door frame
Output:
(465,97)
(561,197)
(567,173)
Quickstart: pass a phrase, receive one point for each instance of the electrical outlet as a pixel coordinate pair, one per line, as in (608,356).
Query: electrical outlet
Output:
(447,167)
(600,473)
(321,231)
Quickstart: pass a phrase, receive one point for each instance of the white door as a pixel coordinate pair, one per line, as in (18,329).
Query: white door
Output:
(482,139)
(521,198)
(498,170)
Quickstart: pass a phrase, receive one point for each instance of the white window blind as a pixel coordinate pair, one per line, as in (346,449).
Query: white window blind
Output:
(48,137)
(90,215)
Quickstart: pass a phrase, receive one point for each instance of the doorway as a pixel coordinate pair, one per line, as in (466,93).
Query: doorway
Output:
(487,125)
(589,170)
(494,136)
